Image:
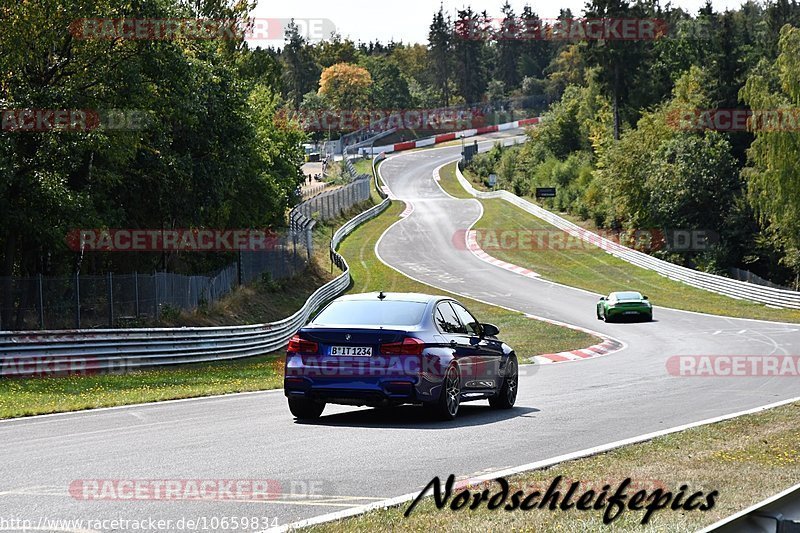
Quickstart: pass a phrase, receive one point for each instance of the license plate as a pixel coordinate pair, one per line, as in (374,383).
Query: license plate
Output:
(356,351)
(631,313)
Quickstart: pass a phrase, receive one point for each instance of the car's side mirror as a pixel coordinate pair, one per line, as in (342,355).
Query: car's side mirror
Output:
(644,297)
(489,330)
(602,298)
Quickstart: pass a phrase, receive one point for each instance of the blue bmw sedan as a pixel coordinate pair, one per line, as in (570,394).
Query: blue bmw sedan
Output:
(388,349)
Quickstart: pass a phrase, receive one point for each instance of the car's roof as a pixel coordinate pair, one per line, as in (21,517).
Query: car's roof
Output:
(627,294)
(392,296)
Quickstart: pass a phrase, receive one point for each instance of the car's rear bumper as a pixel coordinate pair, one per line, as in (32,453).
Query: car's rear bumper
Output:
(369,391)
(629,311)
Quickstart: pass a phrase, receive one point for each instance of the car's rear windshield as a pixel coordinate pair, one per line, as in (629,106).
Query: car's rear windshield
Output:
(371,313)
(628,296)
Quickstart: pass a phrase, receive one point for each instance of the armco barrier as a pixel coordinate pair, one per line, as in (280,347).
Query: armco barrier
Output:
(711,282)
(22,353)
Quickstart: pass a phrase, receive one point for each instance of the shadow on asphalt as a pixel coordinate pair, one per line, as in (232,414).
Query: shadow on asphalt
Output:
(416,417)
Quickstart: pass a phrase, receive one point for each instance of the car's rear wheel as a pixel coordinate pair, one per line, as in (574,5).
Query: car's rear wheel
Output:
(507,395)
(446,407)
(304,409)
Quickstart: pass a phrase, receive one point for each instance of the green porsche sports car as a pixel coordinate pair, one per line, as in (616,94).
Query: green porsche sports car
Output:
(624,304)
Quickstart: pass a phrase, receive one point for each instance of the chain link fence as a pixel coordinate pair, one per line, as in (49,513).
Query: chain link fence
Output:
(125,300)
(325,206)
(120,300)
(333,203)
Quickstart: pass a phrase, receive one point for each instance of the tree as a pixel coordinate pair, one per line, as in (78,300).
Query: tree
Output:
(260,198)
(440,50)
(413,61)
(315,113)
(623,167)
(300,71)
(469,54)
(201,155)
(692,182)
(508,48)
(496,91)
(773,166)
(389,87)
(47,176)
(346,86)
(336,50)
(617,61)
(567,68)
(261,66)
(534,52)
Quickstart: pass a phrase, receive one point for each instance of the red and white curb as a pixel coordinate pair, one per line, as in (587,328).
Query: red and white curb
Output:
(477,251)
(446,137)
(606,347)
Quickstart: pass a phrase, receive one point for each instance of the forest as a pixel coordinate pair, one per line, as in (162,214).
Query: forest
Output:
(214,145)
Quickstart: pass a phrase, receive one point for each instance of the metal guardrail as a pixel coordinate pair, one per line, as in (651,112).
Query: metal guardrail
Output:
(777,514)
(36,352)
(711,282)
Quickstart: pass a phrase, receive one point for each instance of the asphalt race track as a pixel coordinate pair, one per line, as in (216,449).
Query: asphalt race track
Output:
(356,455)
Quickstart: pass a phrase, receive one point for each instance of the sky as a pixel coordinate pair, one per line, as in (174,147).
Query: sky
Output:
(403,20)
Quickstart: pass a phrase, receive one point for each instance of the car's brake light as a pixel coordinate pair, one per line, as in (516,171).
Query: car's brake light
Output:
(299,345)
(409,346)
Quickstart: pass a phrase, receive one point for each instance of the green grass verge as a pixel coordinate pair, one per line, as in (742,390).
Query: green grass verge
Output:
(33,396)
(746,459)
(589,267)
(363,166)
(449,182)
